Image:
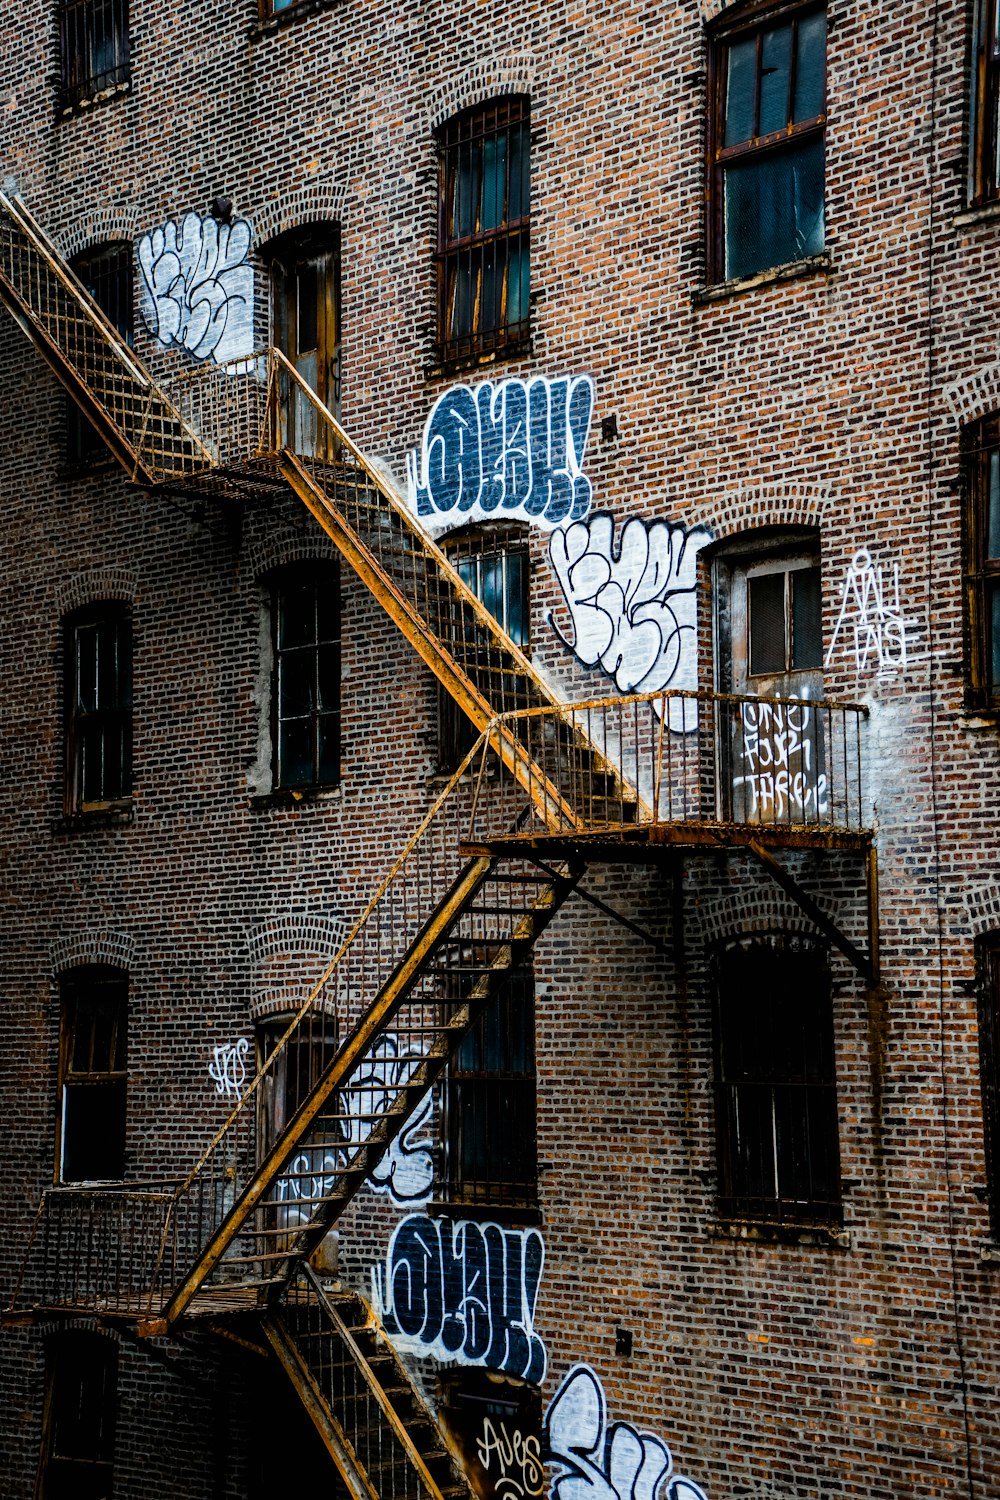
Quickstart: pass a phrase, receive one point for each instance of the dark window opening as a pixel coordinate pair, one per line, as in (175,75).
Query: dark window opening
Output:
(483,230)
(93,1048)
(494,562)
(768,118)
(305,697)
(784,621)
(489,1105)
(78,1422)
(99,708)
(776,1101)
(107,275)
(305,308)
(984,175)
(94,49)
(982,581)
(989,1059)
(491,1418)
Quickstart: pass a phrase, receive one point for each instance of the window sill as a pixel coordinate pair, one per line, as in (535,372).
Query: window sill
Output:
(440,368)
(762,1232)
(288,797)
(989,212)
(271,25)
(98,468)
(483,1213)
(68,111)
(120,816)
(796,270)
(979,719)
(989,1253)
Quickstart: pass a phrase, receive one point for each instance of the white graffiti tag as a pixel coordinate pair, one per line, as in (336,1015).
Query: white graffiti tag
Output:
(634,610)
(228,1068)
(197,289)
(406,1171)
(779,763)
(598,1462)
(871,627)
(513,1461)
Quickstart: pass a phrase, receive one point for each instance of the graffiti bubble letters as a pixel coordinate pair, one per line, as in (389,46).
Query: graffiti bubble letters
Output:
(465,1292)
(633,611)
(197,289)
(870,627)
(598,1462)
(514,449)
(513,1461)
(406,1171)
(779,762)
(228,1068)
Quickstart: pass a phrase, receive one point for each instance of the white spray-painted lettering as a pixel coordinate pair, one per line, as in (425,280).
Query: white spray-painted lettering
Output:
(779,761)
(871,627)
(464,1292)
(512,1460)
(508,450)
(197,289)
(228,1068)
(634,609)
(598,1462)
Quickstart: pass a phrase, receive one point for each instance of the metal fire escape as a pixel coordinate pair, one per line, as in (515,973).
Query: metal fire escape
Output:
(546,788)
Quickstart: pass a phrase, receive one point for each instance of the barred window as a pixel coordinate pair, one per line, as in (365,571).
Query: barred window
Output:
(483,230)
(305,695)
(98,646)
(94,49)
(989,1059)
(984,165)
(982,545)
(768,119)
(93,1035)
(78,1423)
(106,272)
(776,1101)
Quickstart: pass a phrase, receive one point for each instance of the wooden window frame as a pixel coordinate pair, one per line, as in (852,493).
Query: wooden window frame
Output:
(746,21)
(322,577)
(81,990)
(984,144)
(981,443)
(463,255)
(989,1069)
(734,1096)
(81,1381)
(113,719)
(107,272)
(81,83)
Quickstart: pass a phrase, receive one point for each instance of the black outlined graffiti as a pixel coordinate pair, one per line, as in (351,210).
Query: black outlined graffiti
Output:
(197,287)
(406,1171)
(634,609)
(510,450)
(598,1462)
(512,1460)
(464,1292)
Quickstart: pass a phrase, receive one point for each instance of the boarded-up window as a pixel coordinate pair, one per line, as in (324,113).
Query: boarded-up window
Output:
(78,1424)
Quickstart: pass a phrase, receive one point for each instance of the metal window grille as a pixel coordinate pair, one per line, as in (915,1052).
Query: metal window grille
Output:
(768,119)
(306,681)
(93,1075)
(776,1102)
(107,275)
(982,580)
(95,49)
(99,702)
(483,230)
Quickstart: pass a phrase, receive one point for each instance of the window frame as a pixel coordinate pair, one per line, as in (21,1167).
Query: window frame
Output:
(107,273)
(981,444)
(780,1209)
(740,23)
(114,720)
(79,987)
(989,1069)
(81,1374)
(470,129)
(323,577)
(984,99)
(78,78)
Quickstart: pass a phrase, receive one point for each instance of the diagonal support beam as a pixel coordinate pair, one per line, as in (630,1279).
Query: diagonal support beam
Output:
(866,964)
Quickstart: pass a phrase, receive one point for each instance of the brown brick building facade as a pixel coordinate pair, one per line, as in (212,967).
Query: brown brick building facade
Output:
(726,1172)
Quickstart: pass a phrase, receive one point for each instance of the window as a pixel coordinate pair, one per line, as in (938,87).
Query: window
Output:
(984,174)
(982,582)
(305,689)
(768,116)
(287,1085)
(78,1423)
(93,1037)
(107,275)
(494,562)
(989,1058)
(776,1103)
(483,230)
(94,49)
(305,316)
(98,646)
(489,1105)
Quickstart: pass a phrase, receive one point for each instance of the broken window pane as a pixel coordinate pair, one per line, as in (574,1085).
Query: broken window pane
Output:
(774,209)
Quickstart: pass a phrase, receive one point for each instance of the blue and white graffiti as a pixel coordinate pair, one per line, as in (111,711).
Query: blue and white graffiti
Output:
(509,450)
(406,1171)
(464,1292)
(596,1462)
(634,610)
(197,287)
